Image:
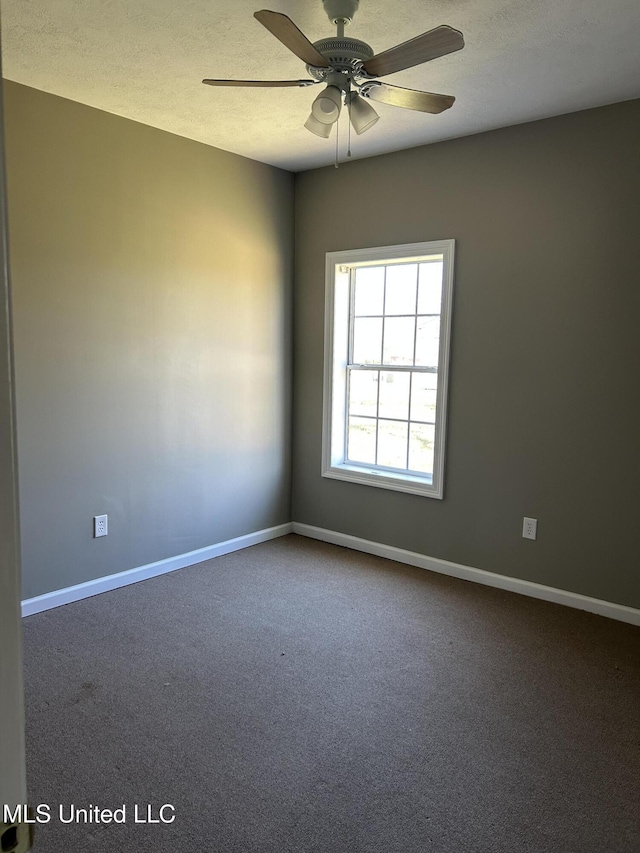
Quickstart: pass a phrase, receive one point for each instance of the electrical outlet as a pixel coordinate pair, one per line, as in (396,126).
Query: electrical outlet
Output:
(529,528)
(100,526)
(17,837)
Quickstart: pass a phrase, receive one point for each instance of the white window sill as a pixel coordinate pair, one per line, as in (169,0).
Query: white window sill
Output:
(367,476)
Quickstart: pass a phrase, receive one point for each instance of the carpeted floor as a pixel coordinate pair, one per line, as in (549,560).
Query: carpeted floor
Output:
(298,697)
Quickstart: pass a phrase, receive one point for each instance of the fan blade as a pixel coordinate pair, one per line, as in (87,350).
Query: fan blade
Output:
(261,83)
(410,99)
(286,31)
(431,45)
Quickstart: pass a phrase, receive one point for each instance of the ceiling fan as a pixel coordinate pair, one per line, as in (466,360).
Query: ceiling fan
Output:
(350,69)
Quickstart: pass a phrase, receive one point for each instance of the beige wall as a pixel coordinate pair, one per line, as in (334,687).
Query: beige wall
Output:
(152,282)
(544,413)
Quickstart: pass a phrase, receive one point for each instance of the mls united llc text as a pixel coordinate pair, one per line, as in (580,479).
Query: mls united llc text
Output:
(44,813)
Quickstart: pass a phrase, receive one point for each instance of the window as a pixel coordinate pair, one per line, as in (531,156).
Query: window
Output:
(387,329)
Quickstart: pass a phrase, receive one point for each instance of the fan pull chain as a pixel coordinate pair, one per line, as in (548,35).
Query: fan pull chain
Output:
(349,138)
(337,138)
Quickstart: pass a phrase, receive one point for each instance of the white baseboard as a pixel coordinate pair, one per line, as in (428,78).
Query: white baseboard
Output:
(85,590)
(468,573)
(547,593)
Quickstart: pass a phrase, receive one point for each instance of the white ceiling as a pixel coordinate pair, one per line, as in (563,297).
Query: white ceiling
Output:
(144,59)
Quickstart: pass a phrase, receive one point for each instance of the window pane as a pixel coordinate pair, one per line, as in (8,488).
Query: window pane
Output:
(421,440)
(401,289)
(367,341)
(427,341)
(430,288)
(424,388)
(369,290)
(398,340)
(362,440)
(392,444)
(394,395)
(363,392)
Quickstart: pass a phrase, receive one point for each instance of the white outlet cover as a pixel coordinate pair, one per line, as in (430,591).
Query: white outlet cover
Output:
(529,528)
(100,526)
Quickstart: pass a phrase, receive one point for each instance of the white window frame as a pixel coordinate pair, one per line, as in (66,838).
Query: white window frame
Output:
(336,346)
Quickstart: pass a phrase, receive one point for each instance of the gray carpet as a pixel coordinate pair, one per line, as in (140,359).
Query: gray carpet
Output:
(303,698)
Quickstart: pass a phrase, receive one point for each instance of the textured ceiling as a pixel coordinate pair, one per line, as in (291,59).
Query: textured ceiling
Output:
(144,59)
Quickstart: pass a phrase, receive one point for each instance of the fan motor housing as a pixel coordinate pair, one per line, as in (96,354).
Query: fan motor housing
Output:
(343,54)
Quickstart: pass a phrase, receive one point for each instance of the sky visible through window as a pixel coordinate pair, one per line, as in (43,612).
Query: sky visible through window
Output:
(393,365)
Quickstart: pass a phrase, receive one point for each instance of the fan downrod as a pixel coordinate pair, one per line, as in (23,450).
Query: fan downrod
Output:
(342,53)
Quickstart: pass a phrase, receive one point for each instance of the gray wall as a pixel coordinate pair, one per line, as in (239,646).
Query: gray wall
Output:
(152,313)
(152,294)
(12,763)
(544,412)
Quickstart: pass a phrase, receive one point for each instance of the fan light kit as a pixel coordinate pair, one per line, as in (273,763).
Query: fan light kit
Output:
(349,68)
